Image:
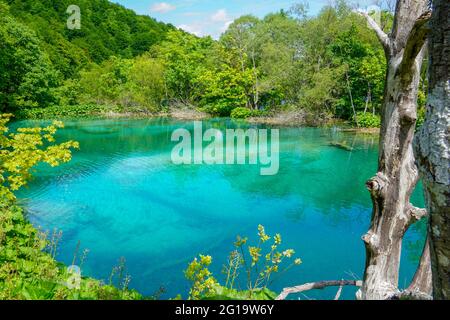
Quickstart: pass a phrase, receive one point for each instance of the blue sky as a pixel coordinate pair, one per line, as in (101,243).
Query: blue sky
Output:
(211,17)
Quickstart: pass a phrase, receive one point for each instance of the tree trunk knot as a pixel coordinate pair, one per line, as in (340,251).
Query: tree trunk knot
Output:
(415,213)
(408,116)
(371,240)
(377,183)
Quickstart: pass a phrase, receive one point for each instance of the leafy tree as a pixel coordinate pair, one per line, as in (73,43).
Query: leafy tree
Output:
(185,58)
(21,151)
(121,82)
(27,78)
(225,89)
(146,82)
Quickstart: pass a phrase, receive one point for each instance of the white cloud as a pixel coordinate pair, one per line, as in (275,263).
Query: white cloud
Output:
(192,28)
(225,26)
(220,16)
(162,7)
(214,24)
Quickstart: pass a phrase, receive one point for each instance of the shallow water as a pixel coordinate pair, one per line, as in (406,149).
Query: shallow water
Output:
(121,196)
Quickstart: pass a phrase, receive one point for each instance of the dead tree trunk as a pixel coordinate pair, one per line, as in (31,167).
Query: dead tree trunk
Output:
(433,149)
(397,175)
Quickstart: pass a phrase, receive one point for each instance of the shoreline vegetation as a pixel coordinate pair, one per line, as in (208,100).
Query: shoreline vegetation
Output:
(284,119)
(287,68)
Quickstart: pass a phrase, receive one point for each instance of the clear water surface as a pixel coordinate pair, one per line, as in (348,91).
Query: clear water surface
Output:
(121,196)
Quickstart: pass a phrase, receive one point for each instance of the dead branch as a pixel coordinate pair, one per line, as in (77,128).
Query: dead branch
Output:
(318,285)
(382,36)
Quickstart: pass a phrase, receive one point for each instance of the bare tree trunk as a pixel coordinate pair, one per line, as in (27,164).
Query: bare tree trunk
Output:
(368,99)
(397,174)
(351,98)
(255,74)
(433,149)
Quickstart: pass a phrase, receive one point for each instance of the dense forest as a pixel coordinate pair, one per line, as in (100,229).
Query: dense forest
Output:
(322,67)
(40,54)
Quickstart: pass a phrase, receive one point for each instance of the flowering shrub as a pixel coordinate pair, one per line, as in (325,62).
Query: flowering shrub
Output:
(246,258)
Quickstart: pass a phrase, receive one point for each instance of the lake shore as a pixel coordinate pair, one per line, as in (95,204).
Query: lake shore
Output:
(285,119)
(294,118)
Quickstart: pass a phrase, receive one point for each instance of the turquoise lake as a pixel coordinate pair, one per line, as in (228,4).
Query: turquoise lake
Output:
(121,196)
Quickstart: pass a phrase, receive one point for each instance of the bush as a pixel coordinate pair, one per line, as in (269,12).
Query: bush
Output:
(241,113)
(245,259)
(368,120)
(76,111)
(221,108)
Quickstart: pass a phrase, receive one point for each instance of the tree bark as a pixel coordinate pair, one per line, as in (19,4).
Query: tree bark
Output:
(432,149)
(421,283)
(397,175)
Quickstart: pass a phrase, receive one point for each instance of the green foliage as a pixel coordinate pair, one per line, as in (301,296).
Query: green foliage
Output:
(107,29)
(364,74)
(27,78)
(241,113)
(225,90)
(40,58)
(28,269)
(331,65)
(133,84)
(256,264)
(23,150)
(223,293)
(67,111)
(368,120)
(203,283)
(146,86)
(421,113)
(185,58)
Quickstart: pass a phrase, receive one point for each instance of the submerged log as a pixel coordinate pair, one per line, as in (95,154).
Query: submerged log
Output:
(341,145)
